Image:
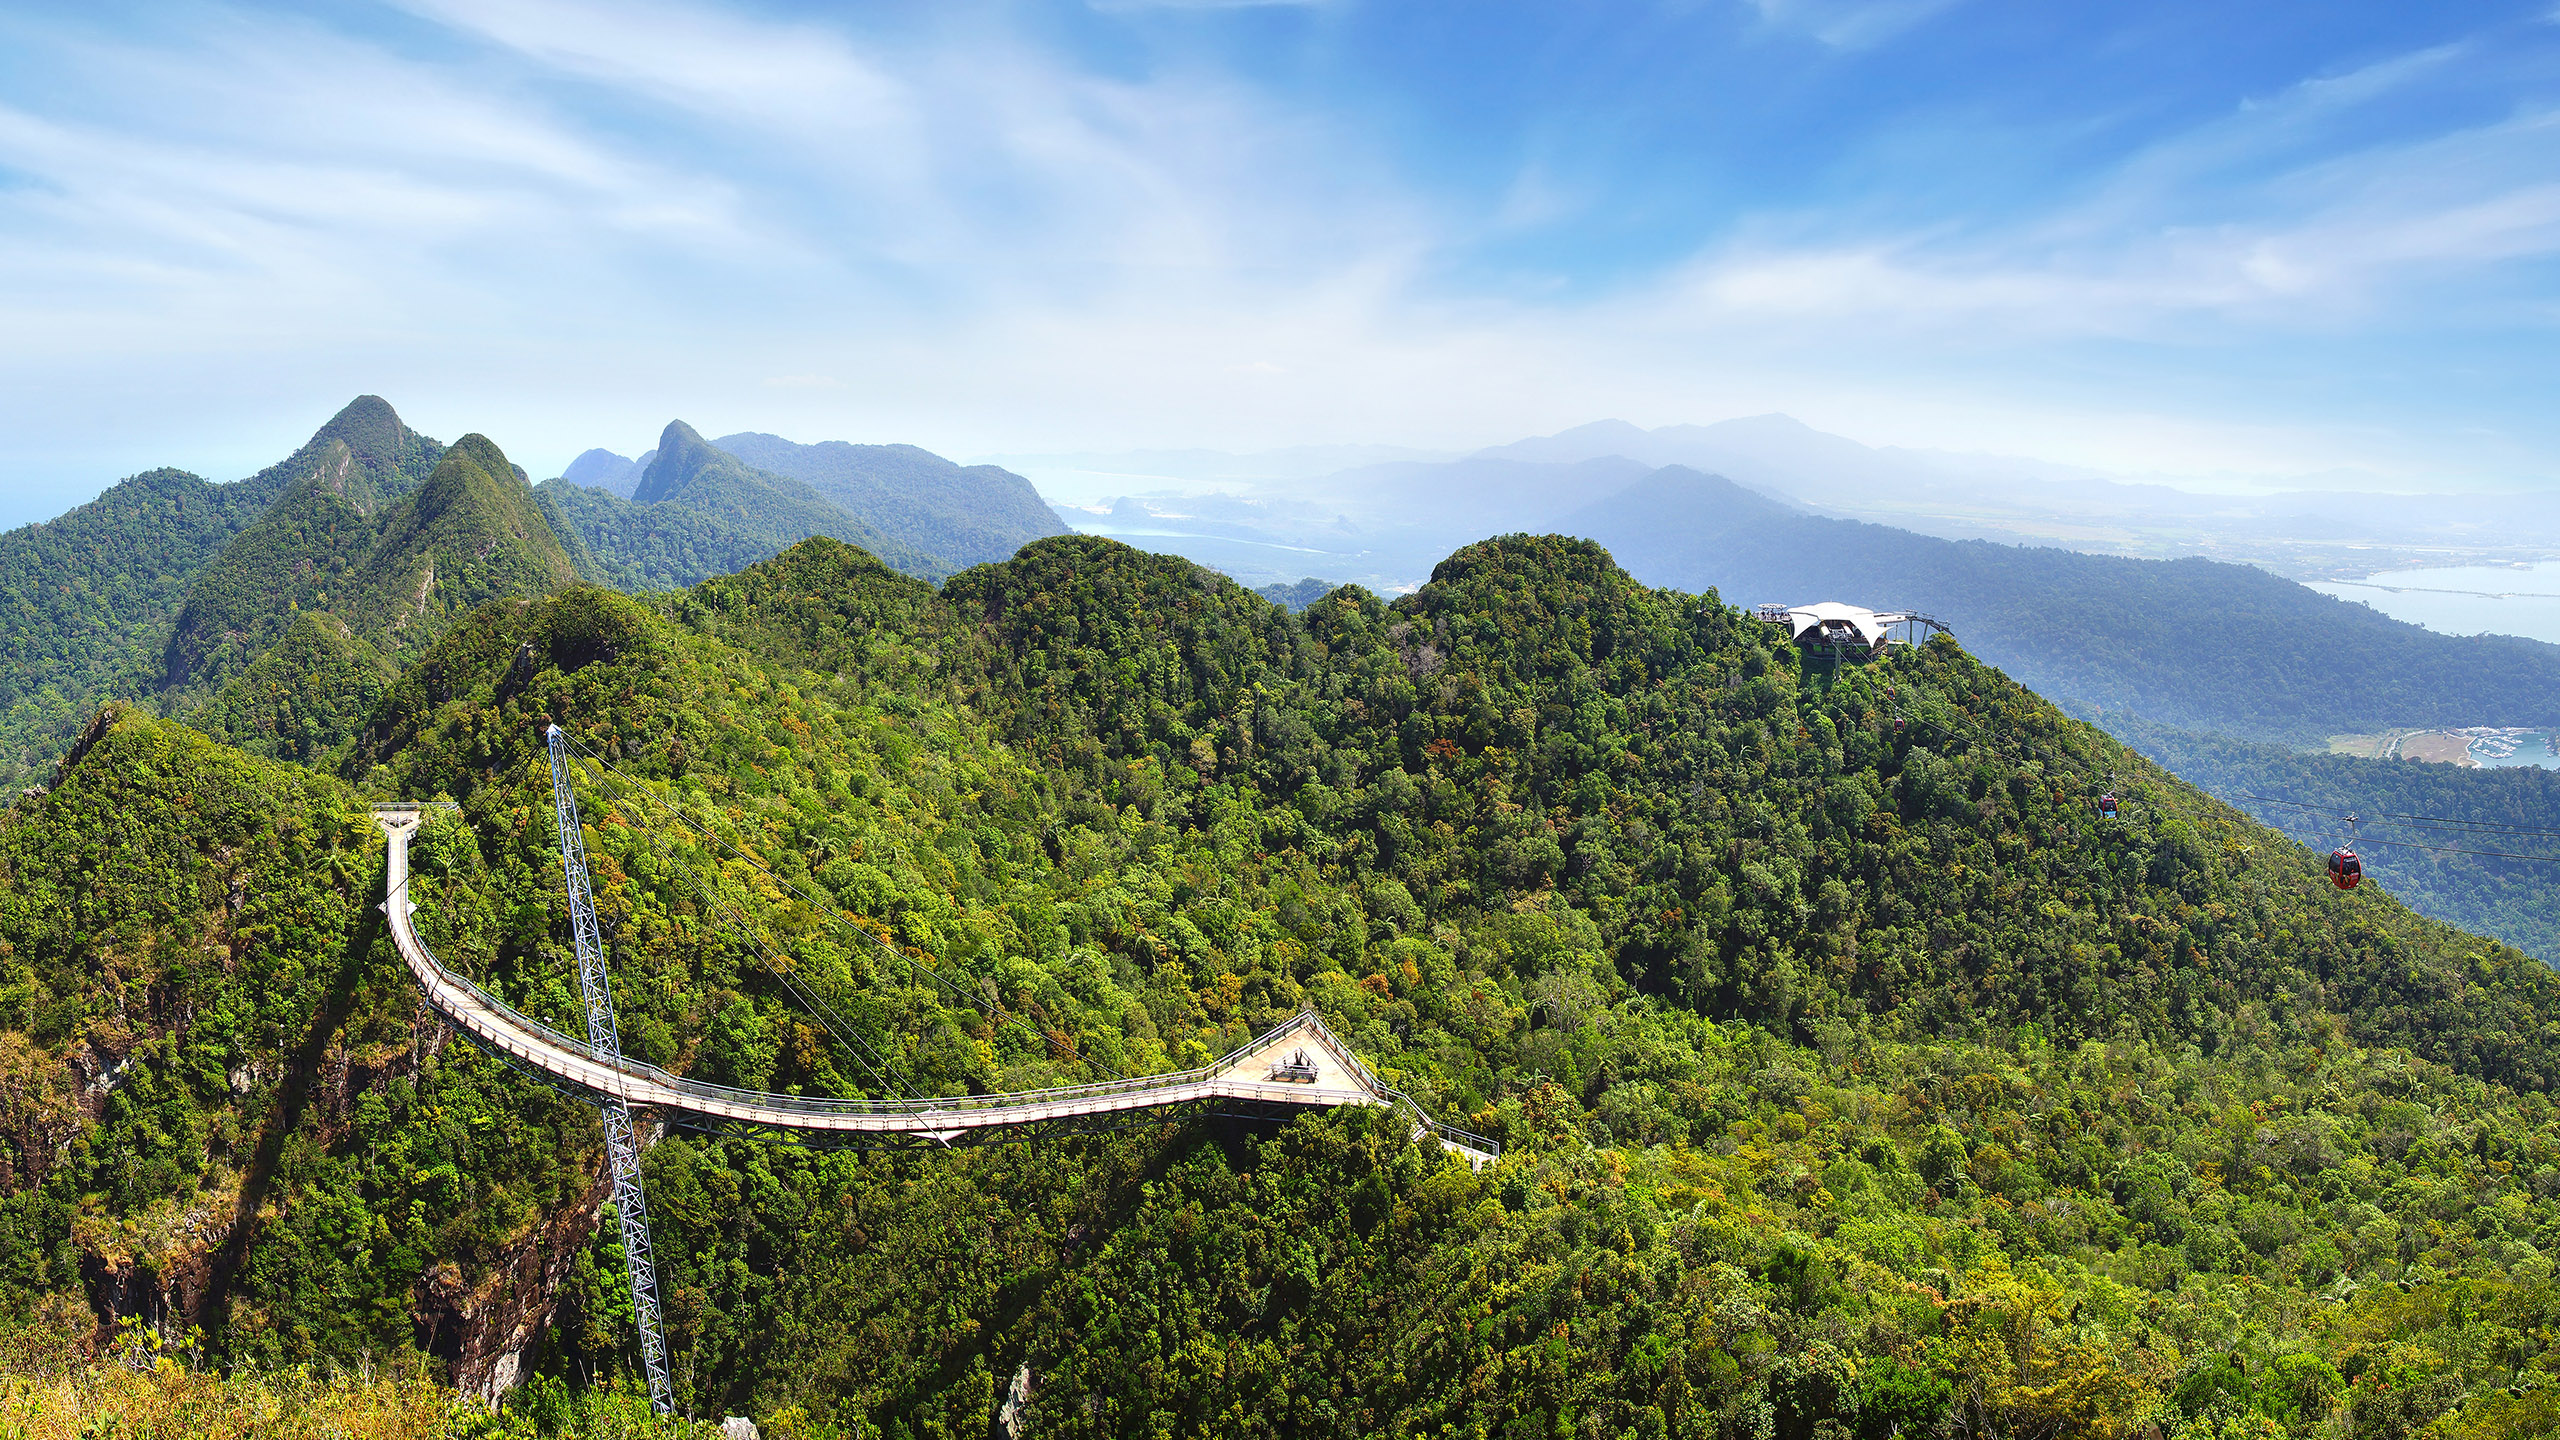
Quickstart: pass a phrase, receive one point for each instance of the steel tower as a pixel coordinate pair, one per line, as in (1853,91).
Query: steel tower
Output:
(621,1145)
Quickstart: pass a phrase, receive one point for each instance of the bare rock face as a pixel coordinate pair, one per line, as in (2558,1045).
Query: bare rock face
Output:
(487,1331)
(1017,1399)
(737,1427)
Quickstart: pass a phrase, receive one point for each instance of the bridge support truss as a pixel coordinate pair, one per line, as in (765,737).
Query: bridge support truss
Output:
(621,1143)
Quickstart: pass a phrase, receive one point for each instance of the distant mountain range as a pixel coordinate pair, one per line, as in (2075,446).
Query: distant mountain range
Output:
(699,511)
(272,612)
(2197,644)
(908,500)
(2194,643)
(2333,526)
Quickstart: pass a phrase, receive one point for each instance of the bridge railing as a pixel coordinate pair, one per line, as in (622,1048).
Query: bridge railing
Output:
(817,1105)
(822,1106)
(1412,1109)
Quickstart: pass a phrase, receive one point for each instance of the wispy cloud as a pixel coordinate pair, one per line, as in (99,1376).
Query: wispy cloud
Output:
(2324,241)
(970,226)
(1122,7)
(693,55)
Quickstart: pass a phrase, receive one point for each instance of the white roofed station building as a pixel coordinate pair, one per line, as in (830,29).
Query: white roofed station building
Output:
(1848,629)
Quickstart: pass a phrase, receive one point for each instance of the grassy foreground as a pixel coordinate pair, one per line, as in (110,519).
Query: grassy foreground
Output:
(139,1389)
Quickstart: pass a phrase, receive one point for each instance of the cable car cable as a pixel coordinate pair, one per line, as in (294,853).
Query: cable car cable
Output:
(2450,850)
(2430,822)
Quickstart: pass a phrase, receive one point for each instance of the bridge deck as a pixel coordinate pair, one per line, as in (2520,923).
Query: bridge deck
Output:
(1299,1063)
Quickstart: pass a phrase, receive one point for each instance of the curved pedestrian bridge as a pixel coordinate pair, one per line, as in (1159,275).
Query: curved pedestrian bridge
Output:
(1299,1064)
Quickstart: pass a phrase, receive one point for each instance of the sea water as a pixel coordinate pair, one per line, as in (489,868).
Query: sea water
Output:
(2465,599)
(2532,748)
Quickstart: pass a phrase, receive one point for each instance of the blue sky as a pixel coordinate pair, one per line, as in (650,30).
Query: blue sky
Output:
(2254,241)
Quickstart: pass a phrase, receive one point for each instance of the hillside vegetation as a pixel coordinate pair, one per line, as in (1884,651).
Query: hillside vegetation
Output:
(166,589)
(307,550)
(89,602)
(2195,644)
(1849,1084)
(2490,815)
(638,548)
(360,594)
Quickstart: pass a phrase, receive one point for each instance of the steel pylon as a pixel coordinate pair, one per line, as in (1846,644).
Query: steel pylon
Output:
(621,1145)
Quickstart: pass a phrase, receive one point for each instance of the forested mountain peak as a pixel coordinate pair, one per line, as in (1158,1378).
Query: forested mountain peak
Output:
(682,455)
(248,660)
(321,510)
(392,457)
(472,533)
(365,456)
(158,582)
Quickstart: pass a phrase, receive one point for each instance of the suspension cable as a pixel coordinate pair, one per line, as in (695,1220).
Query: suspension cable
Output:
(862,1051)
(720,909)
(716,838)
(995,1010)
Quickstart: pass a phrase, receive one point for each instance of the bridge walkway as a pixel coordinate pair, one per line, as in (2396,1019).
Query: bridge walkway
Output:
(1299,1064)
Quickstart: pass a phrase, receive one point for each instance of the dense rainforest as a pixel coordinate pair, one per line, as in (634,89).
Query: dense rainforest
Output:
(89,601)
(167,588)
(1853,1077)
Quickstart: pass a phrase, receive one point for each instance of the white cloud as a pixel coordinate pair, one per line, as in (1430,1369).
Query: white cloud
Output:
(605,216)
(692,55)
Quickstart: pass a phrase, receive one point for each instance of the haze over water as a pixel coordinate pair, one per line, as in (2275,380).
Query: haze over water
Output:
(2465,600)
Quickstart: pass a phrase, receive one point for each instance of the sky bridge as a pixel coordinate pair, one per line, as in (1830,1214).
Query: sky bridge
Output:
(1300,1064)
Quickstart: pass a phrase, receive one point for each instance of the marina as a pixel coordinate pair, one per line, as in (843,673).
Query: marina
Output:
(2488,747)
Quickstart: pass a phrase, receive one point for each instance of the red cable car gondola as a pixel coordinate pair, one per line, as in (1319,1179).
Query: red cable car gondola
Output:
(2107,807)
(2345,870)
